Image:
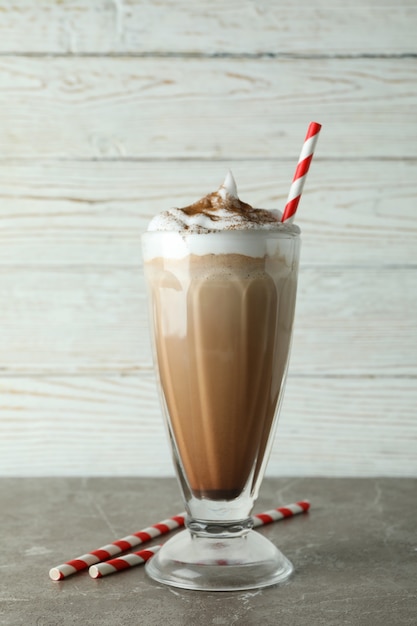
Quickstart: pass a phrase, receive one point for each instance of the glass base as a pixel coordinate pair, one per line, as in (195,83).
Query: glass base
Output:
(248,561)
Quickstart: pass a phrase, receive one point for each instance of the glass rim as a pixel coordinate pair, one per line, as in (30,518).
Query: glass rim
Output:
(284,233)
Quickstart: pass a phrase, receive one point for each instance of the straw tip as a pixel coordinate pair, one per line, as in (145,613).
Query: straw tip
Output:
(94,572)
(313,130)
(55,574)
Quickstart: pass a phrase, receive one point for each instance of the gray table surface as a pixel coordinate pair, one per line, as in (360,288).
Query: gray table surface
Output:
(355,555)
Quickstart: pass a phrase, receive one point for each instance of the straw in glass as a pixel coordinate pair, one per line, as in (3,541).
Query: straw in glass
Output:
(301,171)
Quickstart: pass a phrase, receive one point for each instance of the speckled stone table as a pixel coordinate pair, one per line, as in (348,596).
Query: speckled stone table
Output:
(355,555)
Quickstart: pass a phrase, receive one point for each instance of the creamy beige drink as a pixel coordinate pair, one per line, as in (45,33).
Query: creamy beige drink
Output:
(222,281)
(222,277)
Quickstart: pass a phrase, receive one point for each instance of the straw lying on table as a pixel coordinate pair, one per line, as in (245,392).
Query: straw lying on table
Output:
(117,547)
(275,515)
(138,558)
(123,562)
(122,545)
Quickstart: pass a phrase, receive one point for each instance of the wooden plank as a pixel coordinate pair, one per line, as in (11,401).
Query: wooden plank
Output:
(175,108)
(347,427)
(315,27)
(73,321)
(361,321)
(100,426)
(92,213)
(349,321)
(113,426)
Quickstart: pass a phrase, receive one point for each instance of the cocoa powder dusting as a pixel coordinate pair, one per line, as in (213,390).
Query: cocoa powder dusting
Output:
(214,202)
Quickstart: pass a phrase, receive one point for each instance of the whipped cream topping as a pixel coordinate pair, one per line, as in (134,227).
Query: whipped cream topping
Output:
(176,233)
(221,210)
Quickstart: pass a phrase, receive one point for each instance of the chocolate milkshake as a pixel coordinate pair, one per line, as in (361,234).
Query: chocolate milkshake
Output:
(222,277)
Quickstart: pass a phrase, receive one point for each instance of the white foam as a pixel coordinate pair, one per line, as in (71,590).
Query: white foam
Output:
(218,222)
(175,220)
(253,243)
(229,187)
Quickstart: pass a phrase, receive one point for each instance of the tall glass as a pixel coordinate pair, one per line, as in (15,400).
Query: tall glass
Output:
(222,310)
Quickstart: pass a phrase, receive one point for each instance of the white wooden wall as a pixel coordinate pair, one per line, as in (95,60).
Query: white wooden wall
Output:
(113,110)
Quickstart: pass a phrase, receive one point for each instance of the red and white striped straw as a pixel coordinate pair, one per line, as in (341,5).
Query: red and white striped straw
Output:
(275,515)
(138,558)
(301,171)
(122,562)
(117,547)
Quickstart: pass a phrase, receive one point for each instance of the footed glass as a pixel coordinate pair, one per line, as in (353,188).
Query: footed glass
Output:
(222,310)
